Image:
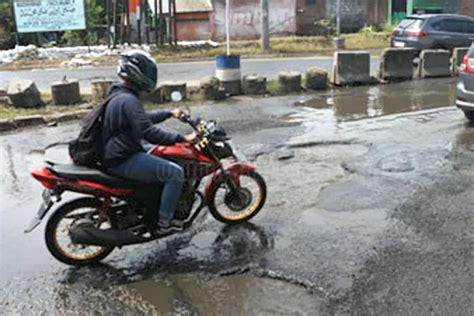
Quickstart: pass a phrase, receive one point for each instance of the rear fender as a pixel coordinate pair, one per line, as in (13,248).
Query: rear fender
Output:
(235,170)
(46,178)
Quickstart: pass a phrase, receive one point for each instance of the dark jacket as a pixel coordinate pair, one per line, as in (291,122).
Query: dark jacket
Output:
(126,124)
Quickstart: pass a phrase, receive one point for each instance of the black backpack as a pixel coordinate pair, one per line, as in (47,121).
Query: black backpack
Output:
(87,148)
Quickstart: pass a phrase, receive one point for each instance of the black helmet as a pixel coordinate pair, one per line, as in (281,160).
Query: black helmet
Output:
(139,69)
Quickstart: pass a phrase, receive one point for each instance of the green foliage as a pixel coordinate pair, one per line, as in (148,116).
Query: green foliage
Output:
(327,26)
(368,30)
(6,26)
(387,28)
(89,36)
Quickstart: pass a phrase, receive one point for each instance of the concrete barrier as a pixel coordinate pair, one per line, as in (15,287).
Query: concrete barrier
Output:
(210,88)
(351,68)
(396,64)
(24,94)
(434,63)
(5,101)
(99,88)
(254,84)
(155,96)
(457,58)
(316,79)
(169,87)
(65,92)
(290,81)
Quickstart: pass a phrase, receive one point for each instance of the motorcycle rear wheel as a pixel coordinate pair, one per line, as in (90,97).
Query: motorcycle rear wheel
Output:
(251,204)
(74,254)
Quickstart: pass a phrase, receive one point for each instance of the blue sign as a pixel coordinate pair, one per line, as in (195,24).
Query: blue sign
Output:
(49,15)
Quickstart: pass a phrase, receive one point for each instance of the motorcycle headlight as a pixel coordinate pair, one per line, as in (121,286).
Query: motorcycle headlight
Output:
(222,150)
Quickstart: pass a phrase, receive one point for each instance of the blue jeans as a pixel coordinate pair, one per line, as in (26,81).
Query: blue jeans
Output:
(150,169)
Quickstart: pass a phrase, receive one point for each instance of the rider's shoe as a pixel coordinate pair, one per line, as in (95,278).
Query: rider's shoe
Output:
(170,226)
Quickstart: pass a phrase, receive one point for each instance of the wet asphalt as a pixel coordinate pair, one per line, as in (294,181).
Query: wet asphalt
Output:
(368,213)
(187,71)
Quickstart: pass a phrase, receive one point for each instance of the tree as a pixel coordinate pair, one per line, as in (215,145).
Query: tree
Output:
(6,26)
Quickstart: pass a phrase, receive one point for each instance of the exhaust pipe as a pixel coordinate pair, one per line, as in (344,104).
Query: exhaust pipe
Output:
(88,234)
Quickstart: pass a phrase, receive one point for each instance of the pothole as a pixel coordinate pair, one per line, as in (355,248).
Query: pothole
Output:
(396,164)
(238,294)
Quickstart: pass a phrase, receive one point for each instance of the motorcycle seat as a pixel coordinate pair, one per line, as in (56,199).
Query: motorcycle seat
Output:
(75,172)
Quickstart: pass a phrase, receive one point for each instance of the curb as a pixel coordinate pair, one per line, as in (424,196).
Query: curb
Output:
(7,125)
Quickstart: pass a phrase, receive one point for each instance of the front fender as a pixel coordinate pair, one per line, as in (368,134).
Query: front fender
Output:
(234,169)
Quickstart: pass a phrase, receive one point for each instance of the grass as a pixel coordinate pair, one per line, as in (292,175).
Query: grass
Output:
(273,87)
(288,45)
(8,112)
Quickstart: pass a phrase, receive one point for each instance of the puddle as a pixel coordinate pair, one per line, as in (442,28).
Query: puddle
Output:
(381,100)
(242,294)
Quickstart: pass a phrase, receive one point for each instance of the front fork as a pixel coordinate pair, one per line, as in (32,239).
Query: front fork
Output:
(230,175)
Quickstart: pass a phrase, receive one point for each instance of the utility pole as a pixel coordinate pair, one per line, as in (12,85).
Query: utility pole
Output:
(170,24)
(265,27)
(338,18)
(147,22)
(162,23)
(227,25)
(128,28)
(155,4)
(114,24)
(107,18)
(17,39)
(175,24)
(139,22)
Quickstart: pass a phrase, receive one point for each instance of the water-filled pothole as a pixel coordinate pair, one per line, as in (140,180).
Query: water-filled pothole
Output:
(241,294)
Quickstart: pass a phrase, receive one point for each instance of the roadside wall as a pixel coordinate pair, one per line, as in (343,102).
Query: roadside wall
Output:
(193,26)
(246,18)
(307,12)
(377,11)
(467,7)
(353,13)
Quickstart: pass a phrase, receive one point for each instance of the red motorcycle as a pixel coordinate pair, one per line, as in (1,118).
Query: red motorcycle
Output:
(118,212)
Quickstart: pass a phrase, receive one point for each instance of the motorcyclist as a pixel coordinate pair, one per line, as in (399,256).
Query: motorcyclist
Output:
(126,124)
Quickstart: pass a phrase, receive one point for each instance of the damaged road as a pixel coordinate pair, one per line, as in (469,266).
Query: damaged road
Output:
(368,212)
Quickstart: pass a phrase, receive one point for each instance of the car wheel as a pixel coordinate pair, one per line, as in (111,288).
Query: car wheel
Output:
(469,115)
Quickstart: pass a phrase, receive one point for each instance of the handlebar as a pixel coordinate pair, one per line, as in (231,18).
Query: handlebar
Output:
(185,118)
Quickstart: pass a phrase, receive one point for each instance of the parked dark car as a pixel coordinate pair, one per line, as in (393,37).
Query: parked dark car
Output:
(443,31)
(465,87)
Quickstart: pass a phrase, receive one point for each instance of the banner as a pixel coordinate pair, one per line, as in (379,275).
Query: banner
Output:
(49,15)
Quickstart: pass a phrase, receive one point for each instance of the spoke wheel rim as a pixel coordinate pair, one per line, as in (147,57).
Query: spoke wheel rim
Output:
(249,184)
(64,243)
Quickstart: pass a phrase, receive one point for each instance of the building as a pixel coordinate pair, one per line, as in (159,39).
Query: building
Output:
(205,19)
(398,9)
(286,16)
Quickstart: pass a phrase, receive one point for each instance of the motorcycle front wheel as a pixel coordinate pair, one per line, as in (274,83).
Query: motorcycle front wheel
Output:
(60,245)
(233,209)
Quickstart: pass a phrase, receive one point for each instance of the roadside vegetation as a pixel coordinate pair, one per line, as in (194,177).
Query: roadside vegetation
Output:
(10,112)
(280,46)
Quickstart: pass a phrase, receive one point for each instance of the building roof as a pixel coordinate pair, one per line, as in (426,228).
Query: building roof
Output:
(184,6)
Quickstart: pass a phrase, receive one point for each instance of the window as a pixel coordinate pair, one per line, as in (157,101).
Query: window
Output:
(469,27)
(454,26)
(411,24)
(438,26)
